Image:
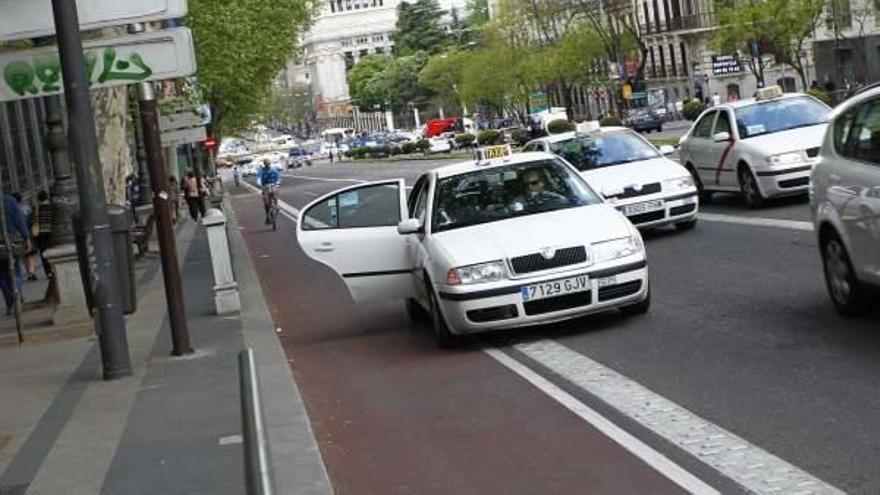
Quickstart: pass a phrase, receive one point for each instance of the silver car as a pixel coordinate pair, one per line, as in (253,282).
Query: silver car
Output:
(845,202)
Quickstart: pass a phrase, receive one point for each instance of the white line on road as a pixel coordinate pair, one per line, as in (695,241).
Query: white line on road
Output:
(325,179)
(288,211)
(752,467)
(758,221)
(651,457)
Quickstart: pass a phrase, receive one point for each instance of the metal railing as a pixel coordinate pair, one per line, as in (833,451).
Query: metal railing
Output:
(257,468)
(687,22)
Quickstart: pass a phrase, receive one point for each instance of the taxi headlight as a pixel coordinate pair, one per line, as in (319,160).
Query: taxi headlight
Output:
(492,271)
(679,183)
(786,158)
(616,248)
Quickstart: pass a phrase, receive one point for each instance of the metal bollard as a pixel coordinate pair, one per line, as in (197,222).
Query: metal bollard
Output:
(258,473)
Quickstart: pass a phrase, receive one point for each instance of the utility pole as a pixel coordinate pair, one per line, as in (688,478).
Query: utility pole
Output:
(65,200)
(162,211)
(106,295)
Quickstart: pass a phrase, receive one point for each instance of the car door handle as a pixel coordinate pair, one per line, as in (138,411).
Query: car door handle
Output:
(324,250)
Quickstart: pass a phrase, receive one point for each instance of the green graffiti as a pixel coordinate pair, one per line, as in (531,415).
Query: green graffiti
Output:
(122,72)
(48,70)
(42,74)
(20,78)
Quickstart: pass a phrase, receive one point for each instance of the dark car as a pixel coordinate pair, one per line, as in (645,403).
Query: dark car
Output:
(297,157)
(644,119)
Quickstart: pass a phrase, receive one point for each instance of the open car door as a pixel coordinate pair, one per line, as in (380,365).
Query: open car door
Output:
(354,232)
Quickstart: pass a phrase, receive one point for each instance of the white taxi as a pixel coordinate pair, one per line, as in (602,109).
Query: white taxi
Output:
(488,244)
(633,175)
(762,147)
(845,202)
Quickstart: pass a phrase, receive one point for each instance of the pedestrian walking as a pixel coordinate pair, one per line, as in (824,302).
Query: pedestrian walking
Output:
(331,155)
(191,194)
(17,233)
(30,263)
(41,232)
(132,191)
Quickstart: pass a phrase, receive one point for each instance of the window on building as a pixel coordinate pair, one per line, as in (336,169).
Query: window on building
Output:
(656,15)
(666,15)
(662,61)
(839,14)
(653,63)
(672,60)
(647,17)
(365,52)
(332,6)
(380,50)
(684,60)
(349,60)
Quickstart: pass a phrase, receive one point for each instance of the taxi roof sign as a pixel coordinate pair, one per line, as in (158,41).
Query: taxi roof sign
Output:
(492,152)
(587,127)
(768,93)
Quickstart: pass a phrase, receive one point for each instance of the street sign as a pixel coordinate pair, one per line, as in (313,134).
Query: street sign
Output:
(726,64)
(538,101)
(25,19)
(130,59)
(184,136)
(182,120)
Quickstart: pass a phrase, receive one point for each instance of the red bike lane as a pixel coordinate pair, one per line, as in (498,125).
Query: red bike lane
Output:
(394,414)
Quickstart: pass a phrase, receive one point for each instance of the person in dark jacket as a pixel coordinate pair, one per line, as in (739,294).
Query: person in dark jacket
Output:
(17,232)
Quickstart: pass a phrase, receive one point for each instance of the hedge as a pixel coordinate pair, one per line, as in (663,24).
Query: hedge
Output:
(559,126)
(693,109)
(489,137)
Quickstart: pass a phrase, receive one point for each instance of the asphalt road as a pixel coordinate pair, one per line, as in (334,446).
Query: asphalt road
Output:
(741,334)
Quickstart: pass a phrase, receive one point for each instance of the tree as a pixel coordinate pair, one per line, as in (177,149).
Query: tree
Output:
(478,13)
(378,81)
(443,74)
(365,80)
(241,46)
(761,28)
(419,29)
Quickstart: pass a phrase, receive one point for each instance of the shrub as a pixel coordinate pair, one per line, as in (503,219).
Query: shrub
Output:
(395,150)
(820,95)
(521,136)
(489,137)
(465,140)
(423,145)
(693,109)
(408,148)
(610,121)
(348,153)
(559,126)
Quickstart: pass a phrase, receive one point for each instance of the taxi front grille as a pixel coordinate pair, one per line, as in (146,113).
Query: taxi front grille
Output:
(537,262)
(651,216)
(619,290)
(813,152)
(631,192)
(559,303)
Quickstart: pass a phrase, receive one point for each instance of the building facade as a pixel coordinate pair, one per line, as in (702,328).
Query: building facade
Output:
(343,32)
(682,63)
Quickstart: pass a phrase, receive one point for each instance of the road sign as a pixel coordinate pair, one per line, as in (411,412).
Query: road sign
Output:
(538,101)
(184,136)
(130,59)
(182,120)
(25,19)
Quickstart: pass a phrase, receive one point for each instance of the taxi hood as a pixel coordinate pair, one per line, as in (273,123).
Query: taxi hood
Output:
(618,177)
(529,234)
(792,140)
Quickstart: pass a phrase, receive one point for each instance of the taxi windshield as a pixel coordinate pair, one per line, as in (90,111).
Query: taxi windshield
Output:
(602,150)
(780,115)
(500,193)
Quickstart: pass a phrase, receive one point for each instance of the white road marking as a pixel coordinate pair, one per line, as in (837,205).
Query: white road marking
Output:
(230,440)
(758,221)
(651,457)
(325,179)
(288,211)
(753,468)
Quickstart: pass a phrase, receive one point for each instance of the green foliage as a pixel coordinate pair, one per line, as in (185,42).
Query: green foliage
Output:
(240,47)
(380,80)
(478,11)
(365,80)
(466,139)
(521,136)
(559,126)
(396,150)
(443,74)
(820,95)
(489,137)
(692,109)
(408,148)
(610,121)
(423,145)
(419,28)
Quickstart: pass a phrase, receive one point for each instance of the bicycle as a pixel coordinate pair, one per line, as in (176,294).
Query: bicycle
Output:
(273,206)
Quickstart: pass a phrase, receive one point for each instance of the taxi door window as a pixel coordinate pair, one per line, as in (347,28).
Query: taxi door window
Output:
(722,124)
(703,128)
(421,203)
(864,139)
(371,206)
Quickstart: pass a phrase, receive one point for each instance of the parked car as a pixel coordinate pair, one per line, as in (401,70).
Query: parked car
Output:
(845,202)
(297,157)
(761,147)
(633,175)
(483,245)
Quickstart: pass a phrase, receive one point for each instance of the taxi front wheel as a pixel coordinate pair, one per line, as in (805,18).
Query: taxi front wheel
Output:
(445,339)
(749,186)
(847,293)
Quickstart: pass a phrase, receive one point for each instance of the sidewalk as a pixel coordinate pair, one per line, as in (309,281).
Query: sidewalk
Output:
(174,427)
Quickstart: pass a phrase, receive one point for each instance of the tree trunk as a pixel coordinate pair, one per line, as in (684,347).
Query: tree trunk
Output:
(111,109)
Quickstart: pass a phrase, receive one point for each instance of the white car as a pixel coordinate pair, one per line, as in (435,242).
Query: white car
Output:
(483,245)
(633,175)
(845,202)
(762,147)
(440,144)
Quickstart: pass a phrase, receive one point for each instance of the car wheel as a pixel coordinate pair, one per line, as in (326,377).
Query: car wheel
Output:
(847,293)
(638,308)
(414,311)
(445,339)
(748,185)
(685,226)
(705,196)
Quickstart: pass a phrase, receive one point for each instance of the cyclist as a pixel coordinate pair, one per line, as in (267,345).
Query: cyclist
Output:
(236,173)
(269,179)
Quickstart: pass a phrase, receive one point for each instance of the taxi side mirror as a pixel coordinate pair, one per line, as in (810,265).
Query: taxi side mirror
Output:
(667,149)
(721,137)
(410,226)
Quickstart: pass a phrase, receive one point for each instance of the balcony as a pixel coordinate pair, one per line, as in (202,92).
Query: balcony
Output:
(676,24)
